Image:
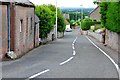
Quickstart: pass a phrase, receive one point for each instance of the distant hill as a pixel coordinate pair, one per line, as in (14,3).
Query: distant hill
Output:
(75,13)
(76,9)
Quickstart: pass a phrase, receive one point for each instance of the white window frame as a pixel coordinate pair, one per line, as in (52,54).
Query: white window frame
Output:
(21,21)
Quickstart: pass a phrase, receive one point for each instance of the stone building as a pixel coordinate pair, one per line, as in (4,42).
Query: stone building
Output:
(18,31)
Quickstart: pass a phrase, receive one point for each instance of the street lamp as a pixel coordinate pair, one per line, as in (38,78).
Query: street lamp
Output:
(56,19)
(76,15)
(81,12)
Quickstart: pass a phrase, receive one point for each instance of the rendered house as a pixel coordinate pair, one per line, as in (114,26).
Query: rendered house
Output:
(95,15)
(18,31)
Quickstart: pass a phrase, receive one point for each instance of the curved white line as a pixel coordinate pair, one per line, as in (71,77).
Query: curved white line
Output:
(73,47)
(74,40)
(74,53)
(66,61)
(115,64)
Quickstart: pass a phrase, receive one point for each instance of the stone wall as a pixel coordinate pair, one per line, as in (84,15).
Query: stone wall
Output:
(112,39)
(51,35)
(60,34)
(96,36)
(37,36)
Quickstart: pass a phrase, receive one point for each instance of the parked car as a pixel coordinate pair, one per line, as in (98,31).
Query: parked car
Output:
(68,30)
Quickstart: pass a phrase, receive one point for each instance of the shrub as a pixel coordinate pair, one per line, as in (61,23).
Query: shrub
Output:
(103,12)
(96,22)
(47,21)
(110,15)
(113,17)
(72,23)
(98,26)
(86,23)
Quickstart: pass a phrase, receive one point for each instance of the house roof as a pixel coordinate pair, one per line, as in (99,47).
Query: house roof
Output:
(24,2)
(93,10)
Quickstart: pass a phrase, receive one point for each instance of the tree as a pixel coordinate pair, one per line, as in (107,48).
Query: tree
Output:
(61,21)
(46,17)
(103,12)
(86,23)
(72,23)
(96,2)
(113,17)
(53,9)
(110,15)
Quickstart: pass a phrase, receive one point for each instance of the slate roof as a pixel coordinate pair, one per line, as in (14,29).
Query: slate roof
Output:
(94,10)
(24,2)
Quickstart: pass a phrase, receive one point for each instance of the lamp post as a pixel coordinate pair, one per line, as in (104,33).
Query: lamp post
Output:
(56,20)
(81,12)
(76,16)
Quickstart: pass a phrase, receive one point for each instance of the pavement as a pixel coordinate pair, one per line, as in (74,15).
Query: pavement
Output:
(70,57)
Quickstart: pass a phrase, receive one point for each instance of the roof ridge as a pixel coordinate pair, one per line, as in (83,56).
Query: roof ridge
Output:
(94,9)
(27,2)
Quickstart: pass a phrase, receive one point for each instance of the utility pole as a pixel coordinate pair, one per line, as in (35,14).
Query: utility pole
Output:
(56,20)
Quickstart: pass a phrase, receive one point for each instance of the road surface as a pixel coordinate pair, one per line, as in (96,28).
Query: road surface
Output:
(73,56)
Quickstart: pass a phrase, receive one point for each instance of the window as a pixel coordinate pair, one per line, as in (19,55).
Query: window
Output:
(26,26)
(31,24)
(21,22)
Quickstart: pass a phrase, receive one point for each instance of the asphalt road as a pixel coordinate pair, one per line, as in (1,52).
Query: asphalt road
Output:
(70,57)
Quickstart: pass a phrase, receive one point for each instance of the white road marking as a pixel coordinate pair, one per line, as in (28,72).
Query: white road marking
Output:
(38,74)
(74,40)
(66,61)
(74,53)
(72,44)
(73,47)
(115,64)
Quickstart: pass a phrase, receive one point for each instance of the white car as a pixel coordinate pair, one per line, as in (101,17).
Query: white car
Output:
(68,30)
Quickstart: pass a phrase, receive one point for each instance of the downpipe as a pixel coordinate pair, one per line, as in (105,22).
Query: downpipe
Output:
(10,53)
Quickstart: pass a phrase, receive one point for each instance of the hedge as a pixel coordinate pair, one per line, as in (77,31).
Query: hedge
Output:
(110,15)
(113,17)
(86,23)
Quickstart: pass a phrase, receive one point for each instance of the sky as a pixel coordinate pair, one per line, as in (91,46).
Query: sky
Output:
(67,3)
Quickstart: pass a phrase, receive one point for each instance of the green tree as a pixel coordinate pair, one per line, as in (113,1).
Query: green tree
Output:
(60,21)
(72,23)
(103,12)
(86,23)
(53,9)
(113,17)
(46,17)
